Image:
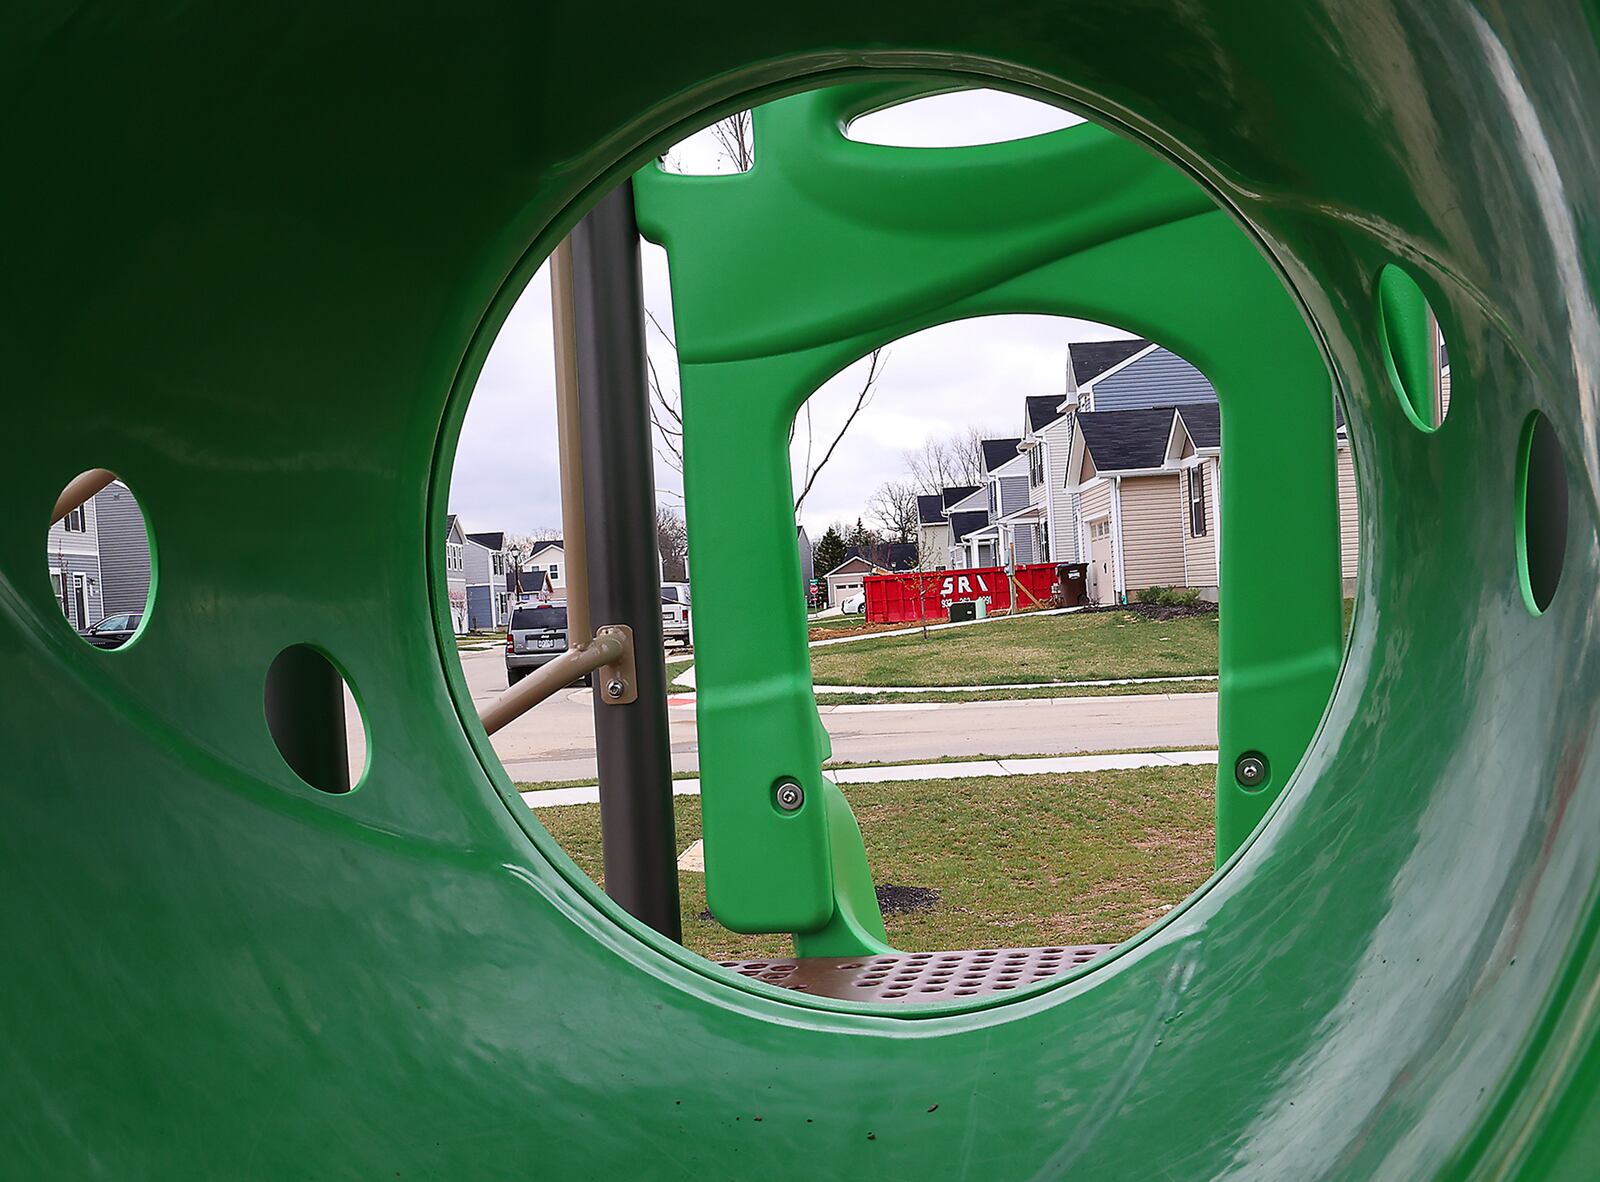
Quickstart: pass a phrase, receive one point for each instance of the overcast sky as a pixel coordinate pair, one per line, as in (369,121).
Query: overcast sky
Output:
(975,372)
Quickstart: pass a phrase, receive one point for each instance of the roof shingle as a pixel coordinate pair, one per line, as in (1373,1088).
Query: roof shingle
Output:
(1090,359)
(997,452)
(1127,440)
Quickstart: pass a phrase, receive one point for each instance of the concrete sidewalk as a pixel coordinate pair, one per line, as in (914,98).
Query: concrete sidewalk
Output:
(590,793)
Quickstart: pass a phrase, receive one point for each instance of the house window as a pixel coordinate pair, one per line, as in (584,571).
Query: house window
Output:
(1036,466)
(555,572)
(498,562)
(74,522)
(1197,502)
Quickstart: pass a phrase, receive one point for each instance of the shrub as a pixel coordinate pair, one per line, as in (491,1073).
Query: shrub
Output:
(1169,596)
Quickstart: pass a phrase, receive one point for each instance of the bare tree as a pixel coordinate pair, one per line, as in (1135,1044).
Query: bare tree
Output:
(672,539)
(875,363)
(893,506)
(947,461)
(736,136)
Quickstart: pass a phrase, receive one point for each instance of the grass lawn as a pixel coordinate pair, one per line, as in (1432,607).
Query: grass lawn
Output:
(1042,648)
(1088,857)
(1011,695)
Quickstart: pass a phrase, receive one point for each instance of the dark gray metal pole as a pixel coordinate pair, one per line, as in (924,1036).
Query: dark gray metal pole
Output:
(619,495)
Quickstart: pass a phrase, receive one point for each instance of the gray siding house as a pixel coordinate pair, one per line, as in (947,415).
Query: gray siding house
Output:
(124,550)
(72,548)
(455,573)
(1152,377)
(485,561)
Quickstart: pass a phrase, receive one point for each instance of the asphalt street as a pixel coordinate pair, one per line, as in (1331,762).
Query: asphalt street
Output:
(555,740)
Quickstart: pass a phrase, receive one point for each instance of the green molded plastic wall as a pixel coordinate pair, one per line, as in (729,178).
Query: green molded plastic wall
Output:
(827,248)
(254,259)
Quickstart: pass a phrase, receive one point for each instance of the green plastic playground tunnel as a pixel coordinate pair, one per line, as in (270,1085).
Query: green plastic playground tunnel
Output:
(253,263)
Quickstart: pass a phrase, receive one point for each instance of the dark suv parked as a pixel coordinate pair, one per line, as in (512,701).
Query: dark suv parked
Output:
(113,631)
(536,636)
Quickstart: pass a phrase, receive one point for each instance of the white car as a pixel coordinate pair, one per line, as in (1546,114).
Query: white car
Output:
(853,604)
(675,612)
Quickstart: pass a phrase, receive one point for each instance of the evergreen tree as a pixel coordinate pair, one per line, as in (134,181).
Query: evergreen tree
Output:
(829,552)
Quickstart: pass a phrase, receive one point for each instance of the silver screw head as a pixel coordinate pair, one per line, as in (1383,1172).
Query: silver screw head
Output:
(615,688)
(1251,770)
(789,796)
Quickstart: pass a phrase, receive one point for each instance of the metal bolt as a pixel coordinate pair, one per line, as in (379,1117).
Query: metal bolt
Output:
(1251,770)
(615,689)
(789,796)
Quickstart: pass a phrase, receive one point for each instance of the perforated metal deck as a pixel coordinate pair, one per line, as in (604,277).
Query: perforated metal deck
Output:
(919,976)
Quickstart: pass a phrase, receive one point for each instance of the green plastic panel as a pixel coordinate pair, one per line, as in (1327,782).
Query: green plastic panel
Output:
(827,248)
(254,259)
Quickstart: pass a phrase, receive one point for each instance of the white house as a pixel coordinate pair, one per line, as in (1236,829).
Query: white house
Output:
(455,573)
(849,576)
(1047,520)
(73,549)
(550,558)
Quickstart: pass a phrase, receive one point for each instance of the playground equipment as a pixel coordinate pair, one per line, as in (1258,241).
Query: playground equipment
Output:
(255,263)
(829,248)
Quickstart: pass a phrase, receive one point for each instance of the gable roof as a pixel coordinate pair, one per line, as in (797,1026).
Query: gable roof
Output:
(1042,410)
(962,524)
(490,541)
(997,452)
(956,493)
(1203,421)
(930,510)
(547,544)
(855,563)
(1126,440)
(452,525)
(1090,359)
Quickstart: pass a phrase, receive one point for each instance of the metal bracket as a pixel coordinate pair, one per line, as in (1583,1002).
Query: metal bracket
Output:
(617,684)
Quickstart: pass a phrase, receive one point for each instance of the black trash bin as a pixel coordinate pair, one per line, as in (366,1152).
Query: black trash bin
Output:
(963,609)
(1072,584)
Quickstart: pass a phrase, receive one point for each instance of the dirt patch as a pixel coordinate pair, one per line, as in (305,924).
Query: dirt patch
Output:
(1158,611)
(906,900)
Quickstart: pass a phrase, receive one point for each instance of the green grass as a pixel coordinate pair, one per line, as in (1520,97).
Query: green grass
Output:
(1012,695)
(1042,648)
(1088,857)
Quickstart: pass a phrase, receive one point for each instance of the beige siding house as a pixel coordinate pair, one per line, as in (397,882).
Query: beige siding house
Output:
(1147,483)
(1349,521)
(1152,532)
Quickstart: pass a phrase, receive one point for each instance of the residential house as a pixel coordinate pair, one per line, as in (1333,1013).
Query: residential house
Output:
(73,550)
(487,601)
(1011,536)
(973,541)
(808,561)
(1046,439)
(1131,515)
(124,545)
(455,573)
(1131,375)
(1101,375)
(933,532)
(1194,451)
(550,558)
(848,576)
(525,585)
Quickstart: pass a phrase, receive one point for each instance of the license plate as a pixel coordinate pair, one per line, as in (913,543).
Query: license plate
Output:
(547,642)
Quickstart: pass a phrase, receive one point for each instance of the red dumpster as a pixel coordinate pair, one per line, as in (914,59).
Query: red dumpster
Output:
(918,595)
